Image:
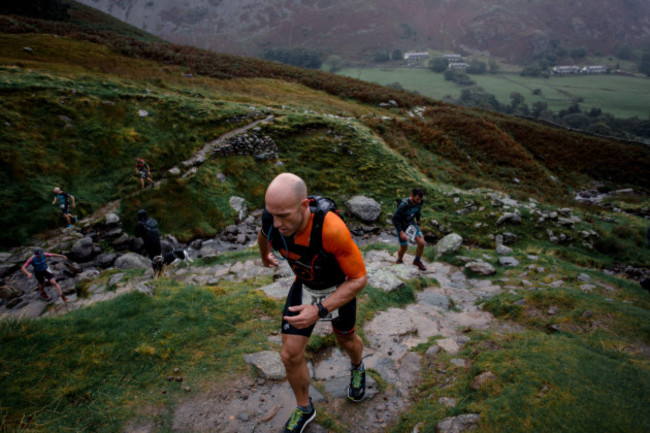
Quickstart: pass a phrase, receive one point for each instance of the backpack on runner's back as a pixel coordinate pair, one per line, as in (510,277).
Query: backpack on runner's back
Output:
(321,206)
(151,227)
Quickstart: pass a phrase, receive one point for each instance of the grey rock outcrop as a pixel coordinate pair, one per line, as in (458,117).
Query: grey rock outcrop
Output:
(132,261)
(260,146)
(481,268)
(449,244)
(82,250)
(509,217)
(238,204)
(112,219)
(9,292)
(458,424)
(268,363)
(364,208)
(508,261)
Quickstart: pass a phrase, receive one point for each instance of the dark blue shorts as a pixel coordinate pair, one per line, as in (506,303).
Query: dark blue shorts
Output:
(406,242)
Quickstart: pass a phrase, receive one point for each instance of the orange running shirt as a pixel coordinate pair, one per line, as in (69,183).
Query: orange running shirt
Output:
(337,241)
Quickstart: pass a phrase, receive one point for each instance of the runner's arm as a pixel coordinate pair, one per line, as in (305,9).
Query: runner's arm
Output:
(398,218)
(345,293)
(73,203)
(24,268)
(267,258)
(55,255)
(308,314)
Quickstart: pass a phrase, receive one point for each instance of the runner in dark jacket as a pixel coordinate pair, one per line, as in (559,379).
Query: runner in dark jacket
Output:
(406,220)
(147,229)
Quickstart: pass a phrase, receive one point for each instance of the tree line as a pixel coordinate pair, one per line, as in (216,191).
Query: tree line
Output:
(592,120)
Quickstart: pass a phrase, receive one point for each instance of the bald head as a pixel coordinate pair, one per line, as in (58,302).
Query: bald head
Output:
(57,190)
(286,200)
(287,189)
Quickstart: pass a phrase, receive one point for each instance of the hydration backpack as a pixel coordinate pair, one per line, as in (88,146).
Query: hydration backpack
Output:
(151,228)
(320,206)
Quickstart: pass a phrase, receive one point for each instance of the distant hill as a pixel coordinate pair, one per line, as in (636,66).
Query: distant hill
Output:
(514,31)
(71,94)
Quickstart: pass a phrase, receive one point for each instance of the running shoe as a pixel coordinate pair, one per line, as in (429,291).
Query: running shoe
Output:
(45,295)
(399,262)
(64,299)
(419,265)
(357,388)
(299,419)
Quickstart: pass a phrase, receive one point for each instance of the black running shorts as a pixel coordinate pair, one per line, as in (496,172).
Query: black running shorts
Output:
(43,276)
(344,324)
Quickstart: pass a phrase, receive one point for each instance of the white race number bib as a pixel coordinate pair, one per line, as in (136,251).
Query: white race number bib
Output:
(313,297)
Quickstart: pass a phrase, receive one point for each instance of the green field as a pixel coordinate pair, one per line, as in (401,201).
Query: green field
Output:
(619,95)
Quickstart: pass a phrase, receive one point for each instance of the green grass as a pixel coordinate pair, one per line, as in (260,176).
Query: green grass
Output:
(84,135)
(544,383)
(90,370)
(618,95)
(610,385)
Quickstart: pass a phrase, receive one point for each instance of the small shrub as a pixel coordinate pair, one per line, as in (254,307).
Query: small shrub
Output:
(609,246)
(623,231)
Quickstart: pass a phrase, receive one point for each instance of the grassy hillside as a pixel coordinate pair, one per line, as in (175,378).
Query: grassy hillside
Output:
(71,106)
(70,115)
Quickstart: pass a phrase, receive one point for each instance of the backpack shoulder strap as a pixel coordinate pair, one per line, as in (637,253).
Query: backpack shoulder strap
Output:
(316,238)
(320,206)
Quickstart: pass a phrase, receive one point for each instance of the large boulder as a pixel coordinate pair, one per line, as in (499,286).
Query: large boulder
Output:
(385,279)
(449,244)
(132,261)
(122,243)
(112,219)
(512,217)
(82,250)
(364,208)
(106,260)
(481,268)
(239,205)
(136,244)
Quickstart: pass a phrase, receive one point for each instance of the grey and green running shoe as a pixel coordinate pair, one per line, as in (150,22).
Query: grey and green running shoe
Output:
(357,387)
(299,419)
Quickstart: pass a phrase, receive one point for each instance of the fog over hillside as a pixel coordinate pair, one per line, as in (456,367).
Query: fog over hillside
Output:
(513,30)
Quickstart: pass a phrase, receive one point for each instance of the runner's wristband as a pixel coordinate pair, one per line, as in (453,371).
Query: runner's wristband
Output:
(322,311)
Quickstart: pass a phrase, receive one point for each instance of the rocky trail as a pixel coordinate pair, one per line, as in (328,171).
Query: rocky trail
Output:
(264,403)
